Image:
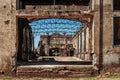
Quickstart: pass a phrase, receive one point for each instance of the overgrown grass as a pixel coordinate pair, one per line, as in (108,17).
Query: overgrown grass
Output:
(6,78)
(112,77)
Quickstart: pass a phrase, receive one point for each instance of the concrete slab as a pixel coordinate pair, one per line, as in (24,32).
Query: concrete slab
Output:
(58,58)
(53,61)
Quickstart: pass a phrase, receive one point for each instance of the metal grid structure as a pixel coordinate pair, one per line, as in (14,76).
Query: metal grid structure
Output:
(61,26)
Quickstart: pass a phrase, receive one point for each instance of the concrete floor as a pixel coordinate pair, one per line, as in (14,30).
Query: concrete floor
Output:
(58,58)
(53,61)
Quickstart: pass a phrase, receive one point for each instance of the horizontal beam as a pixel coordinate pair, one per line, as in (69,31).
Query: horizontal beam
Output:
(34,15)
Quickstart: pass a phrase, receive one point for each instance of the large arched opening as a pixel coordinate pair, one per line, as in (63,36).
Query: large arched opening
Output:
(52,38)
(51,35)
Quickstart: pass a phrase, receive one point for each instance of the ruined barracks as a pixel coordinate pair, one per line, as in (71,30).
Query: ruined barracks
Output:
(96,44)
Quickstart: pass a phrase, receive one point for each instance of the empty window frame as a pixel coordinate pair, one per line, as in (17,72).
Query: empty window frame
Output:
(116,5)
(116,30)
(22,4)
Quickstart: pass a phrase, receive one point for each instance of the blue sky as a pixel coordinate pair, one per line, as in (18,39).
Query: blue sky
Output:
(40,27)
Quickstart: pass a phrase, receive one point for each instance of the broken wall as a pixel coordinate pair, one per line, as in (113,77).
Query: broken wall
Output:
(7,34)
(105,52)
(111,53)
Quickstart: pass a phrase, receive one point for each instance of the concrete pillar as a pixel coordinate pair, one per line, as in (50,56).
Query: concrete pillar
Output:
(48,44)
(77,43)
(82,41)
(97,33)
(65,38)
(32,42)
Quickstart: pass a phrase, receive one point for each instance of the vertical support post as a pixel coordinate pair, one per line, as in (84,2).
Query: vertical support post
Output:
(90,4)
(101,36)
(28,42)
(33,42)
(24,46)
(90,40)
(80,43)
(48,43)
(84,42)
(77,44)
(54,2)
(65,38)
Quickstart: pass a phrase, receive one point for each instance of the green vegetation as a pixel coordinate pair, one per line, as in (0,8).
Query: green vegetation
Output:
(112,77)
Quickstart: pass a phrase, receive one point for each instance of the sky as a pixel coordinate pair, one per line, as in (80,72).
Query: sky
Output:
(40,27)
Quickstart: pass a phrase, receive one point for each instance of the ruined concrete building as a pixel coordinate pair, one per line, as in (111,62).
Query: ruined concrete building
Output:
(57,43)
(97,42)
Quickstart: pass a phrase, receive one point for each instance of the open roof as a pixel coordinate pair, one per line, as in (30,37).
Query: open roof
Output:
(43,26)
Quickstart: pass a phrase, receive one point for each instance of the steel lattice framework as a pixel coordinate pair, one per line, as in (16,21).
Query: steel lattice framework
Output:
(43,26)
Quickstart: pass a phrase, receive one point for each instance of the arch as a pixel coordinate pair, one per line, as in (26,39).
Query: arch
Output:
(85,18)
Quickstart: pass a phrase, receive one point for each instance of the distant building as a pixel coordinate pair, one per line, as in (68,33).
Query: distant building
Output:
(56,42)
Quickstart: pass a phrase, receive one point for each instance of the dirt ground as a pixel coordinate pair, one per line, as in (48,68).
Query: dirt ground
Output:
(103,77)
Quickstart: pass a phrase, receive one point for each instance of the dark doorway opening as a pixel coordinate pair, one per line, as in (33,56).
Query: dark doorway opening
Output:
(54,52)
(24,40)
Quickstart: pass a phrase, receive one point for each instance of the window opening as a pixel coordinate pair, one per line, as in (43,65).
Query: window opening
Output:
(116,31)
(116,5)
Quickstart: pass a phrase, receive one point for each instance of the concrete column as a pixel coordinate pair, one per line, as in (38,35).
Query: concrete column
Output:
(48,44)
(82,41)
(65,39)
(28,43)
(32,42)
(97,33)
(78,44)
(87,40)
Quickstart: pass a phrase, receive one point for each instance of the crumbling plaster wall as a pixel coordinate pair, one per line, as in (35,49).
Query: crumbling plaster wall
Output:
(7,33)
(102,30)
(96,31)
(111,54)
(8,29)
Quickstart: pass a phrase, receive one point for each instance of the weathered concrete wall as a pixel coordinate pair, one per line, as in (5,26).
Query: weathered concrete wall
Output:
(111,55)
(96,30)
(102,30)
(7,34)
(102,26)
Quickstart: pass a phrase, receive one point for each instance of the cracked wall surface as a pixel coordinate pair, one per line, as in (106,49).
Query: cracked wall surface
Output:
(7,33)
(111,54)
